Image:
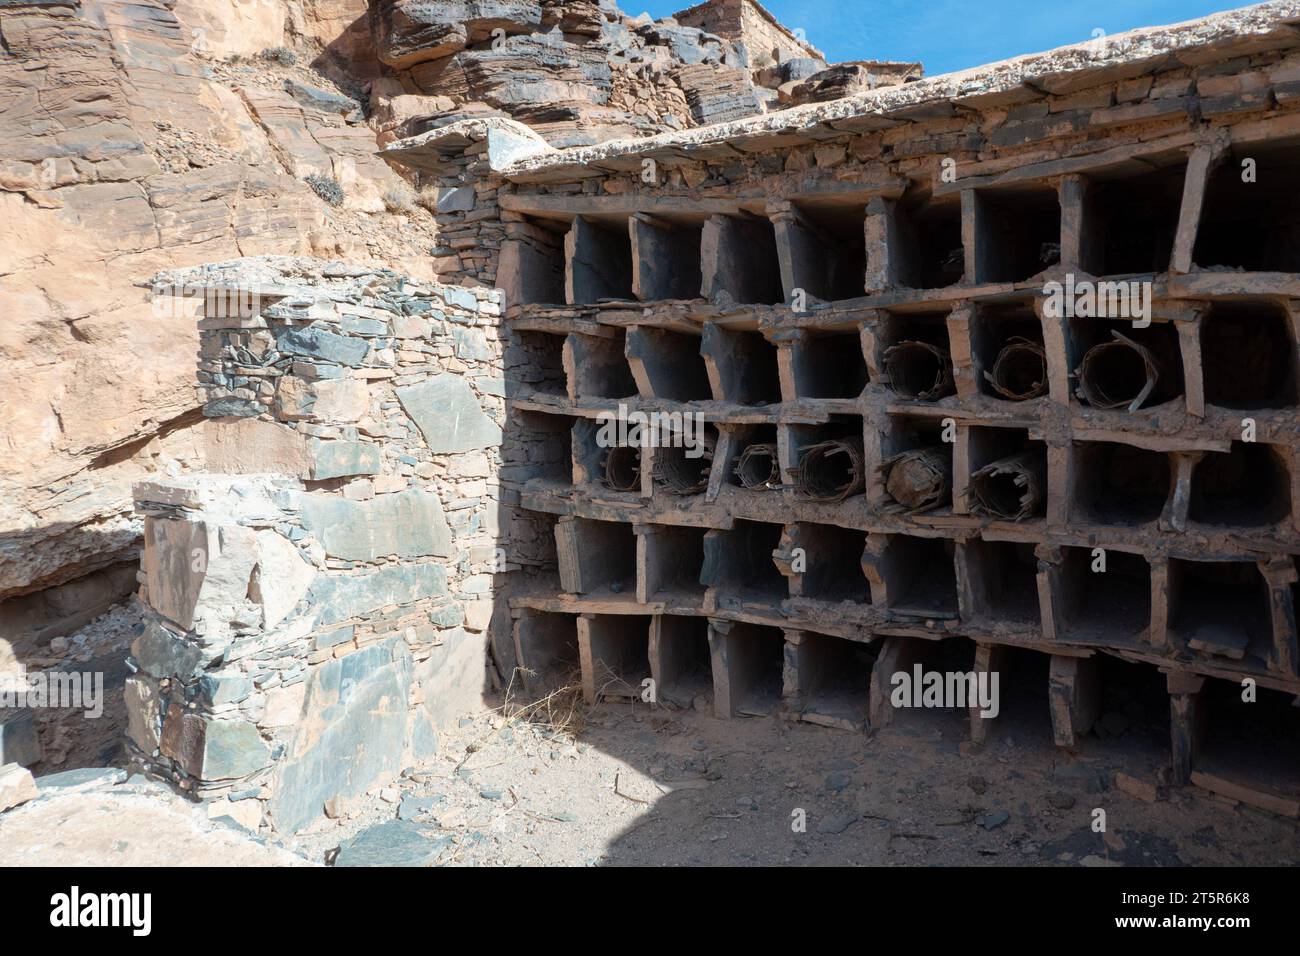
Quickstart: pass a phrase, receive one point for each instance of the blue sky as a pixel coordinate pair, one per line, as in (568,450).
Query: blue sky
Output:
(950,35)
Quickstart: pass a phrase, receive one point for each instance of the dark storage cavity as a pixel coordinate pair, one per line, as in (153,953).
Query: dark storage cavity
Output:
(1253,225)
(1017,232)
(829,365)
(1119,484)
(1249,486)
(1221,609)
(1248,356)
(1129,223)
(1105,599)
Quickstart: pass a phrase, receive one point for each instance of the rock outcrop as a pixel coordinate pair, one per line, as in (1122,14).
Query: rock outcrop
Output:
(142,136)
(126,148)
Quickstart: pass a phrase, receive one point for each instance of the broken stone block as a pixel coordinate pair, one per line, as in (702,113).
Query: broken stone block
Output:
(225,688)
(471,345)
(16,786)
(81,780)
(325,400)
(252,445)
(280,579)
(342,459)
(19,742)
(392,843)
(143,713)
(448,414)
(454,199)
(194,565)
(164,653)
(213,749)
(338,597)
(408,524)
(320,344)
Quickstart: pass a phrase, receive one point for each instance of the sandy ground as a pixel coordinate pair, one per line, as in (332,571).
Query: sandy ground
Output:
(642,787)
(627,784)
(648,787)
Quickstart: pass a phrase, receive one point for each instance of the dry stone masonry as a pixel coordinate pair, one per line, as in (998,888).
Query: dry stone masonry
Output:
(318,597)
(997,371)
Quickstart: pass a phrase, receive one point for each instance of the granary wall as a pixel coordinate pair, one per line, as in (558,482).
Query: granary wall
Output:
(920,422)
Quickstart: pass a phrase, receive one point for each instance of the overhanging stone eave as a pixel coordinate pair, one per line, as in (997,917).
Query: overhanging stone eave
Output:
(1020,79)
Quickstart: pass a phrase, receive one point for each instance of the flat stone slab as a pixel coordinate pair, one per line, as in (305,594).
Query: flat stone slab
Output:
(392,843)
(448,414)
(80,780)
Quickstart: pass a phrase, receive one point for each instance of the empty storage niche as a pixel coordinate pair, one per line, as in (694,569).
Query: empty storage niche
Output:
(829,365)
(683,457)
(915,357)
(911,680)
(680,661)
(1221,609)
(546,646)
(1248,486)
(1251,745)
(825,249)
(665,257)
(534,255)
(533,544)
(596,556)
(831,559)
(919,576)
(1252,225)
(748,668)
(597,261)
(738,562)
(916,465)
(827,460)
(1008,474)
(1007,349)
(1129,222)
(928,249)
(598,366)
(999,582)
(1131,705)
(744,365)
(599,461)
(672,560)
(1017,232)
(537,447)
(1020,709)
(1102,598)
(1114,365)
(536,360)
(833,678)
(615,655)
(1248,355)
(755,461)
(668,364)
(1117,484)
(738,261)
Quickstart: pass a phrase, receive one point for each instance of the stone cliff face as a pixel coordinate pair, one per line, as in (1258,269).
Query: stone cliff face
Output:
(155,134)
(125,148)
